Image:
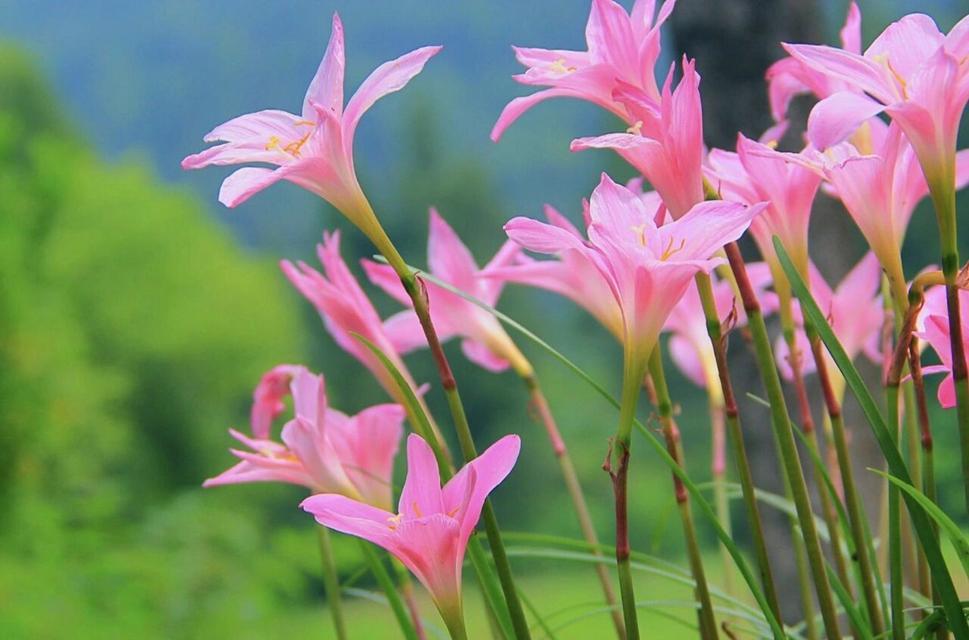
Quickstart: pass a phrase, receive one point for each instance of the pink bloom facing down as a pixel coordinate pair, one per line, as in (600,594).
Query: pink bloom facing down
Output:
(665,143)
(914,72)
(622,48)
(485,341)
(647,268)
(321,448)
(934,329)
(854,309)
(430,531)
(346,310)
(315,148)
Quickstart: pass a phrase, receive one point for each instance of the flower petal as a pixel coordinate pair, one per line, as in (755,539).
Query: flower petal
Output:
(421,495)
(326,88)
(835,118)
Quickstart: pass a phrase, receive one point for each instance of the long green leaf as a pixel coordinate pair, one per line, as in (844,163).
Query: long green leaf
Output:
(923,528)
(651,439)
(958,538)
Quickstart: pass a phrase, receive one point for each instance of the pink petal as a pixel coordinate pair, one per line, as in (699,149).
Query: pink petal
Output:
(326,88)
(685,357)
(482,356)
(259,125)
(863,282)
(387,78)
(421,495)
(907,43)
(448,257)
(609,35)
(384,276)
(490,468)
(267,398)
(514,109)
(543,238)
(373,438)
(404,331)
(864,73)
(838,116)
(851,31)
(352,517)
(962,169)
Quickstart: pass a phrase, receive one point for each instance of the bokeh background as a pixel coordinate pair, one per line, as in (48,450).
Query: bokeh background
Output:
(136,313)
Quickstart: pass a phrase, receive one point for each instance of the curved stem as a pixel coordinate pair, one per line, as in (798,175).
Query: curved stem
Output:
(671,433)
(331,583)
(783,432)
(389,589)
(574,487)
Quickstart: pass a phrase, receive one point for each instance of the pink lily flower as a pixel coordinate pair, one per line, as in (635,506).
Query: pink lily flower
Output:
(934,329)
(914,72)
(346,310)
(622,48)
(430,531)
(689,343)
(322,449)
(647,268)
(315,148)
(665,143)
(754,174)
(854,310)
(790,77)
(486,343)
(268,398)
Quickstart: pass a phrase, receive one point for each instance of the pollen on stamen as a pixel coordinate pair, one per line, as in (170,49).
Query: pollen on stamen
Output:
(636,129)
(417,509)
(670,251)
(273,143)
(559,66)
(640,231)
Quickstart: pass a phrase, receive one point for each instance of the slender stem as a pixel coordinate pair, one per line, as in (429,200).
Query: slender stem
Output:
(732,412)
(783,432)
(671,433)
(331,583)
(540,404)
(390,590)
(407,590)
(943,194)
(928,464)
(852,501)
(619,473)
(718,471)
(894,533)
(415,290)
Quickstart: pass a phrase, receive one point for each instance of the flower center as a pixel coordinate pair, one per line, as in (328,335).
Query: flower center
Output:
(559,66)
(670,250)
(292,148)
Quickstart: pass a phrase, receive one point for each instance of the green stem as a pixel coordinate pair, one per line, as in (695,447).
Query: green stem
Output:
(718,472)
(852,501)
(664,406)
(540,405)
(389,589)
(407,590)
(717,340)
(331,583)
(783,432)
(894,530)
(928,464)
(418,297)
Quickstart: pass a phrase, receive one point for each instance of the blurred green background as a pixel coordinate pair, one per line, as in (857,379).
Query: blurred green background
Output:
(136,314)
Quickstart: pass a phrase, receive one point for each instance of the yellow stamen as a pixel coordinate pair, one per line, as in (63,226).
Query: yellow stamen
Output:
(885,61)
(417,509)
(636,129)
(453,512)
(393,521)
(670,251)
(771,144)
(862,139)
(273,143)
(640,231)
(559,66)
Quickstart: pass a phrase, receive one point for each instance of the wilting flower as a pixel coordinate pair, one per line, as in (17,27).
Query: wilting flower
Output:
(934,329)
(754,175)
(430,531)
(914,72)
(315,148)
(790,77)
(485,343)
(346,310)
(322,449)
(623,48)
(853,309)
(665,143)
(689,344)
(647,267)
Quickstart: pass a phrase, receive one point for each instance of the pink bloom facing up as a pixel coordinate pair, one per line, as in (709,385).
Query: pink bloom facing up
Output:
(665,143)
(754,174)
(485,341)
(647,268)
(914,72)
(791,77)
(346,310)
(934,323)
(622,48)
(855,311)
(315,148)
(430,531)
(322,449)
(689,343)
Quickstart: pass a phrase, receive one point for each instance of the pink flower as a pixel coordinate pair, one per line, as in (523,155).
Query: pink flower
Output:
(791,77)
(689,344)
(647,268)
(754,174)
(622,48)
(268,397)
(322,449)
(666,142)
(934,323)
(314,149)
(346,310)
(485,341)
(430,531)
(854,310)
(912,71)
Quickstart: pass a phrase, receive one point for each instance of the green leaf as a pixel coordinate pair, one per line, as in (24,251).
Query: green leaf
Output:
(923,528)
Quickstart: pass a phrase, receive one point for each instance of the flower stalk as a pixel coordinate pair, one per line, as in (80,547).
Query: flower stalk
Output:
(331,584)
(383,578)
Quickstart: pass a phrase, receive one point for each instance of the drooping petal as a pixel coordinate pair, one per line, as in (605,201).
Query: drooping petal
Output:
(353,518)
(514,109)
(857,70)
(835,118)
